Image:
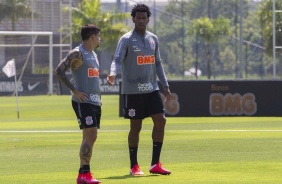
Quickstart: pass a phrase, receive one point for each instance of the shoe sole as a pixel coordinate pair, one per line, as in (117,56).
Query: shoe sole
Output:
(130,173)
(79,182)
(160,173)
(136,174)
(85,182)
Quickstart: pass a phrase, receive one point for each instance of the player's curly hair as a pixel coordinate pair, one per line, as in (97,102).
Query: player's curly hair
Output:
(140,8)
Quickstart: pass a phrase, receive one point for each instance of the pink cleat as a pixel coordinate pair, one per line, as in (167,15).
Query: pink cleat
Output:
(158,169)
(87,178)
(135,171)
(79,179)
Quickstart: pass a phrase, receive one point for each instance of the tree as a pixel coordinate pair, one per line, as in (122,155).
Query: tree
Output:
(174,47)
(214,8)
(254,49)
(265,14)
(172,34)
(89,11)
(210,31)
(14,10)
(228,56)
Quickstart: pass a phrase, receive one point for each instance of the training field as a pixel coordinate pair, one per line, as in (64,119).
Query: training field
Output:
(42,146)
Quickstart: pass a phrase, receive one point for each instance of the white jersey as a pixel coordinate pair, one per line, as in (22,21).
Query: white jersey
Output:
(138,58)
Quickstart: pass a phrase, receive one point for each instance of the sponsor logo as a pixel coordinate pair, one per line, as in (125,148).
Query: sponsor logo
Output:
(131,112)
(109,89)
(95,98)
(136,49)
(10,86)
(232,104)
(145,60)
(145,87)
(93,72)
(31,87)
(134,39)
(89,120)
(219,88)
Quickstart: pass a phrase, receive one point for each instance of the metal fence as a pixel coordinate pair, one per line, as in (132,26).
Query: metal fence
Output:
(240,55)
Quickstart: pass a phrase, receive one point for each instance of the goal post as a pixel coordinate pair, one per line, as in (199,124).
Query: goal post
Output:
(31,45)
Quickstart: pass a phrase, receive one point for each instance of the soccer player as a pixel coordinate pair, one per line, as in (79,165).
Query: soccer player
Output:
(86,97)
(138,57)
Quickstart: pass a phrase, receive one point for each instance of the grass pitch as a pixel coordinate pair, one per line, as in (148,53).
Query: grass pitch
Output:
(42,146)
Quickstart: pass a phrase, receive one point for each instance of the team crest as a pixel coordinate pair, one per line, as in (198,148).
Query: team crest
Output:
(131,112)
(152,44)
(89,120)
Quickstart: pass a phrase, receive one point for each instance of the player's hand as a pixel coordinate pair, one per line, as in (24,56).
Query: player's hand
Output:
(167,94)
(111,79)
(81,96)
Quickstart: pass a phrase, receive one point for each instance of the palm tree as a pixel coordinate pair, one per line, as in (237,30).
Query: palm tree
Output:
(89,11)
(14,9)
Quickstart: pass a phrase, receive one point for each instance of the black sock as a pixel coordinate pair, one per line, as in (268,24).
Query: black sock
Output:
(85,169)
(80,170)
(157,147)
(133,156)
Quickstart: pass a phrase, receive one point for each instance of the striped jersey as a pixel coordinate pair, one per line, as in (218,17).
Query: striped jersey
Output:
(86,77)
(138,59)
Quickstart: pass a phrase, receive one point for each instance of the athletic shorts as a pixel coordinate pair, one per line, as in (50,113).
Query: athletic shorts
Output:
(88,115)
(140,106)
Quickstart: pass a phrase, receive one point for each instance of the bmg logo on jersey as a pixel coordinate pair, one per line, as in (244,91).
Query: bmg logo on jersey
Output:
(93,72)
(145,60)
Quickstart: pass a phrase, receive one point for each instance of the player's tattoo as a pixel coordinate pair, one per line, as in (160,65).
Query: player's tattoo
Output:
(86,152)
(72,61)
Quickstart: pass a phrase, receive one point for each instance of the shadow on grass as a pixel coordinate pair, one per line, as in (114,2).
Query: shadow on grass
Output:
(128,176)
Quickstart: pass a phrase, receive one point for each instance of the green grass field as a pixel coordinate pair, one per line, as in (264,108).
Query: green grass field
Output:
(42,146)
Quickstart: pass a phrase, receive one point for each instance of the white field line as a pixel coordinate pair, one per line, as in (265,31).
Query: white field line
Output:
(79,131)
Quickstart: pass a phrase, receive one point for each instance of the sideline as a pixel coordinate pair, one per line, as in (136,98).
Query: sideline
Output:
(101,131)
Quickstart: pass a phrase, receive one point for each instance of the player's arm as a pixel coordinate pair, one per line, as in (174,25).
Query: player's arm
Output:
(72,61)
(161,74)
(163,80)
(119,56)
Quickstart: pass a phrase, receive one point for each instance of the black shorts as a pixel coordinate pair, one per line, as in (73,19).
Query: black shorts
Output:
(88,115)
(140,106)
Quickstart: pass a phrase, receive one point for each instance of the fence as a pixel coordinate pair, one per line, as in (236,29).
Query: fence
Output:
(243,54)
